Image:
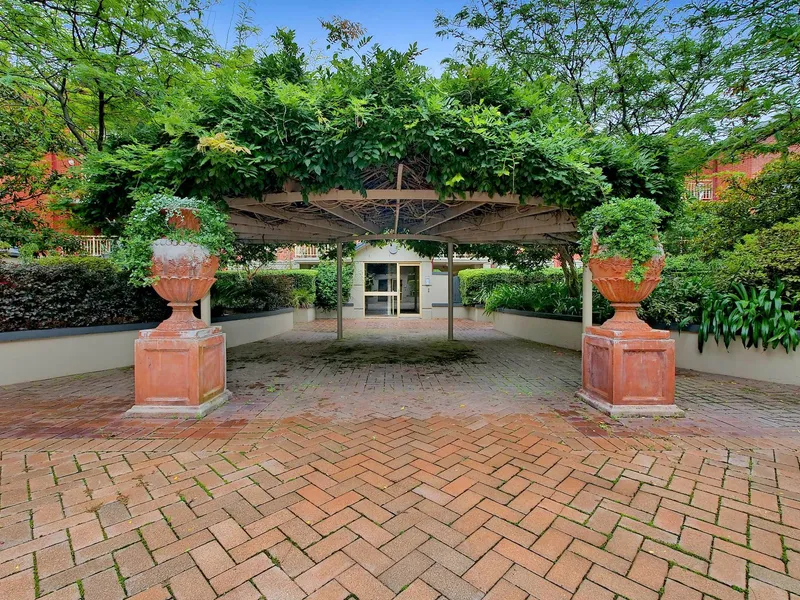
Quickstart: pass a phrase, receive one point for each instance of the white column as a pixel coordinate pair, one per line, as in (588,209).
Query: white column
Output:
(205,309)
(450,292)
(587,296)
(339,324)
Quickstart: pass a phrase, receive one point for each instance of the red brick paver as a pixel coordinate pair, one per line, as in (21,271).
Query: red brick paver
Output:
(393,465)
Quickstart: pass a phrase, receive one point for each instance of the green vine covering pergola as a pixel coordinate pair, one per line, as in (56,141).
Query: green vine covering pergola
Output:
(376,146)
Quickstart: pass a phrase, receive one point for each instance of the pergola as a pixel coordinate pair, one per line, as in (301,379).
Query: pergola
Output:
(403,207)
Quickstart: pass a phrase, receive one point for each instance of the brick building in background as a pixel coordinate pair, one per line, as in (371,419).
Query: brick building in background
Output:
(41,204)
(711,180)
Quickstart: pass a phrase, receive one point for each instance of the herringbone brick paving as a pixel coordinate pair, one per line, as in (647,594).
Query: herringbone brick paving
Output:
(340,471)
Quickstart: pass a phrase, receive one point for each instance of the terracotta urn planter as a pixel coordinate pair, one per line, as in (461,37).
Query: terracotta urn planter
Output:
(628,367)
(185,273)
(180,365)
(609,275)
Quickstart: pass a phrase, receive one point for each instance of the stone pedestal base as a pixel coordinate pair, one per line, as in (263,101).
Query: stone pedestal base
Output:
(629,373)
(179,373)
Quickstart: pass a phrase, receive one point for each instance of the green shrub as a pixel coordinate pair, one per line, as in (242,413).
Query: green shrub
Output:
(302,279)
(750,205)
(302,298)
(476,284)
(677,300)
(625,227)
(326,284)
(756,316)
(765,256)
(234,292)
(72,292)
(550,298)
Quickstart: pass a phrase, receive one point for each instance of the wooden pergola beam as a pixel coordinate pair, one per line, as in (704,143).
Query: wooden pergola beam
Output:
(501,216)
(446,215)
(305,219)
(346,215)
(516,234)
(387,194)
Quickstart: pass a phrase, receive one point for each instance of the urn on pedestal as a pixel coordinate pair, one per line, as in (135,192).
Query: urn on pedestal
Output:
(628,367)
(180,366)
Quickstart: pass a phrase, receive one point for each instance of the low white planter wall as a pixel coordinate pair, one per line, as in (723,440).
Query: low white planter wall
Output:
(564,332)
(737,361)
(42,354)
(305,315)
(475,313)
(245,329)
(440,312)
(554,332)
(348,312)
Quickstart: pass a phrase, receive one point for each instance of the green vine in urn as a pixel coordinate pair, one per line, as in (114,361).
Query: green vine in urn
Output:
(148,222)
(626,228)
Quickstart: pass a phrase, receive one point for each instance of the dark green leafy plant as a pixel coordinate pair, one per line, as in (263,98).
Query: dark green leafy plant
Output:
(627,228)
(72,292)
(303,298)
(353,119)
(235,292)
(24,229)
(548,297)
(476,284)
(326,284)
(302,279)
(756,316)
(767,255)
(677,301)
(148,222)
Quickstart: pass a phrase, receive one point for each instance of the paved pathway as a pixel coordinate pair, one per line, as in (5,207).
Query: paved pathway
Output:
(396,465)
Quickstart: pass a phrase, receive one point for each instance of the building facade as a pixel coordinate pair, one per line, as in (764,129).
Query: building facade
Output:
(391,281)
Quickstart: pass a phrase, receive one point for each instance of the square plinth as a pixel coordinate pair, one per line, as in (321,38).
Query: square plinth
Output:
(629,373)
(179,373)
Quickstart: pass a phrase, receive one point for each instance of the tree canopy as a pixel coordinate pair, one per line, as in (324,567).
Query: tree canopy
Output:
(713,75)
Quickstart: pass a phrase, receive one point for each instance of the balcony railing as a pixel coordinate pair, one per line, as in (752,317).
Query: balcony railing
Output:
(96,245)
(702,190)
(305,252)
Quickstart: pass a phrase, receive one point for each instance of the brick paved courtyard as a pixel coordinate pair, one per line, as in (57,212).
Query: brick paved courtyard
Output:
(396,465)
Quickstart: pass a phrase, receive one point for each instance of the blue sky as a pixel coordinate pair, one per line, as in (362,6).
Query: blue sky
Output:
(393,24)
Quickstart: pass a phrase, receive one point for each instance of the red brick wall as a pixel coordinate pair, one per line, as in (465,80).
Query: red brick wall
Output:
(40,205)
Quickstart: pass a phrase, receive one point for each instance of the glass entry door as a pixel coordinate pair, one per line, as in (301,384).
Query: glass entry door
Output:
(391,289)
(409,290)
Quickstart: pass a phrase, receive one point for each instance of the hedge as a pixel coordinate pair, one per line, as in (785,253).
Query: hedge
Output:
(233,292)
(326,284)
(72,292)
(477,284)
(302,279)
(55,292)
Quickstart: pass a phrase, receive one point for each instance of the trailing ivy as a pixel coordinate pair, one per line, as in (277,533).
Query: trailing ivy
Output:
(148,222)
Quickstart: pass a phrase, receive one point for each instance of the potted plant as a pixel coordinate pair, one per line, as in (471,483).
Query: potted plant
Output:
(620,239)
(303,303)
(174,244)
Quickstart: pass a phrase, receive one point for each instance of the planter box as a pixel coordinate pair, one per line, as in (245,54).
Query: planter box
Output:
(305,315)
(736,361)
(553,330)
(566,332)
(42,354)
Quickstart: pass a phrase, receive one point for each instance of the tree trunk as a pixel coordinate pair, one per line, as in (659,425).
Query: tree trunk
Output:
(101,119)
(570,272)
